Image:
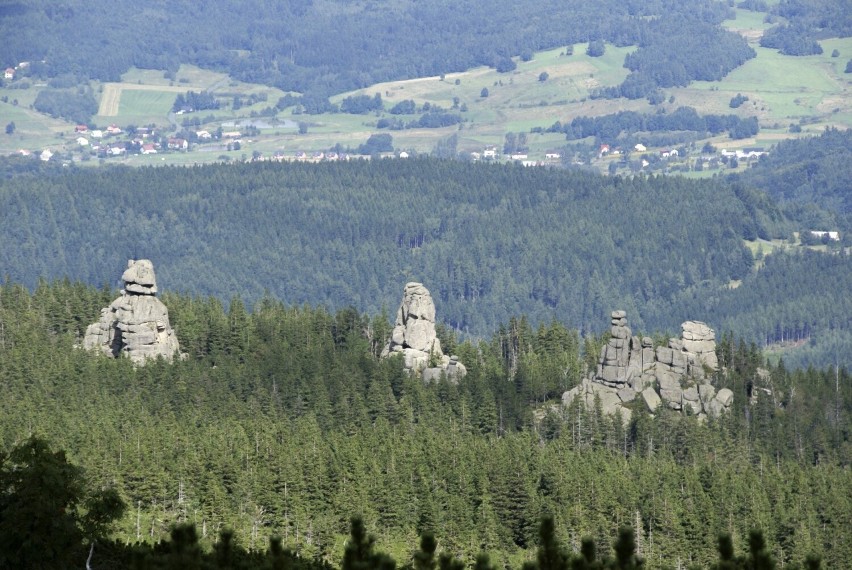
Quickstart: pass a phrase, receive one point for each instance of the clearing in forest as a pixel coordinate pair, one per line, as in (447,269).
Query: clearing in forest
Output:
(111,96)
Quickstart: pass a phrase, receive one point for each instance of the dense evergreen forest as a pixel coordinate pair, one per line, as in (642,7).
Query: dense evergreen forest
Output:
(611,128)
(810,176)
(285,43)
(283,421)
(489,241)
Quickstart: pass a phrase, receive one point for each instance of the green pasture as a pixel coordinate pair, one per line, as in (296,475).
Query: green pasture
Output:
(144,107)
(187,75)
(569,78)
(747,20)
(517,101)
(33,130)
(781,89)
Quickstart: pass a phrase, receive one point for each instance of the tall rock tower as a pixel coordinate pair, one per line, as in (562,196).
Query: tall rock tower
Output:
(137,323)
(414,336)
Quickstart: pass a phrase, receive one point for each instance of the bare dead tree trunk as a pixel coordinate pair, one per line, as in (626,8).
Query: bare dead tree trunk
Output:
(89,559)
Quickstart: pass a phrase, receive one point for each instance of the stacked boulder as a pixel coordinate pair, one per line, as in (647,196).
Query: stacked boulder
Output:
(137,323)
(415,338)
(674,375)
(700,340)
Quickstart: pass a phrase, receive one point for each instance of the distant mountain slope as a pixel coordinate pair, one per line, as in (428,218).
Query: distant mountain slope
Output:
(490,242)
(287,44)
(801,300)
(809,172)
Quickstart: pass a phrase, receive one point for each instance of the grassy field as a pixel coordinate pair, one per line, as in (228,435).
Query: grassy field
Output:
(33,130)
(135,104)
(782,90)
(517,101)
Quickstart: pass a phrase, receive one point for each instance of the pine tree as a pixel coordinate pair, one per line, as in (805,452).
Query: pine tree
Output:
(359,553)
(424,559)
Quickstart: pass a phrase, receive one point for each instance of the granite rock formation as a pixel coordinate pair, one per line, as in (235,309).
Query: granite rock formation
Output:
(137,323)
(674,375)
(414,337)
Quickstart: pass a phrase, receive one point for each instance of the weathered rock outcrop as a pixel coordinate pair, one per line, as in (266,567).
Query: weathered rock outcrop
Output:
(137,323)
(672,375)
(414,337)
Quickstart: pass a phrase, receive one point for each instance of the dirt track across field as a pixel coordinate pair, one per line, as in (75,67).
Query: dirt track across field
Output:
(111,96)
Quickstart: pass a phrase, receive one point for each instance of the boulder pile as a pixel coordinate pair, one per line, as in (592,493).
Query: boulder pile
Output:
(137,323)
(674,375)
(415,338)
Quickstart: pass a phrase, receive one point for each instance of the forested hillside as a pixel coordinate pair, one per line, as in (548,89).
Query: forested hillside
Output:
(811,175)
(283,421)
(285,43)
(489,241)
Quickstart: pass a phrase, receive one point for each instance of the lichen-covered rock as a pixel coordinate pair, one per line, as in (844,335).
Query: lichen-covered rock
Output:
(415,338)
(139,277)
(725,396)
(700,340)
(673,374)
(137,323)
(652,399)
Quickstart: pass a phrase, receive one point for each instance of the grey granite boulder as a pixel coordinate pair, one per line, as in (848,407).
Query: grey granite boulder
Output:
(137,323)
(652,399)
(415,338)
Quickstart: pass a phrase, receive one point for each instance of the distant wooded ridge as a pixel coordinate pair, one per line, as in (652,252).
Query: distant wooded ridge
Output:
(490,242)
(284,44)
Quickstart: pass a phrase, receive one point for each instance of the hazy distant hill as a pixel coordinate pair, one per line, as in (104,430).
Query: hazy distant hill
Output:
(286,44)
(491,242)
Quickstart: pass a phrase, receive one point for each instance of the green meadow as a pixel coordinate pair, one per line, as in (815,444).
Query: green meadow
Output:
(553,86)
(143,107)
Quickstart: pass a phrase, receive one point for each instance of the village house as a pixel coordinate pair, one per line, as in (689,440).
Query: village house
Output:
(669,153)
(832,236)
(98,134)
(489,152)
(46,155)
(752,152)
(149,148)
(203,135)
(113,130)
(10,73)
(82,141)
(746,153)
(640,147)
(81,129)
(519,156)
(553,154)
(176,143)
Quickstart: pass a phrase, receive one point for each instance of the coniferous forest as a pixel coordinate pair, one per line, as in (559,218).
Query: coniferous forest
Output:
(490,242)
(281,437)
(283,422)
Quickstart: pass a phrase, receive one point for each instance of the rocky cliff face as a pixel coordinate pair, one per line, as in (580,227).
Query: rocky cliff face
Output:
(137,323)
(672,375)
(414,337)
